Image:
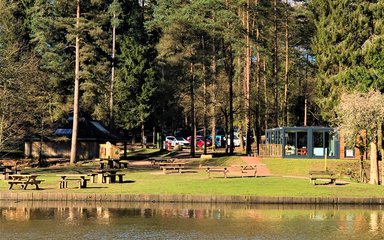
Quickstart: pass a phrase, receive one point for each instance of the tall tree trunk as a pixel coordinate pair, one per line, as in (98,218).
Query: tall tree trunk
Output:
(143,138)
(258,76)
(248,84)
(374,172)
(76,90)
(230,70)
(380,149)
(266,105)
(205,99)
(193,124)
(226,128)
(275,67)
(112,76)
(213,94)
(285,109)
(306,92)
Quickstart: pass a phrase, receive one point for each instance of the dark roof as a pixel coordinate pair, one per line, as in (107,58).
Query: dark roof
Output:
(87,129)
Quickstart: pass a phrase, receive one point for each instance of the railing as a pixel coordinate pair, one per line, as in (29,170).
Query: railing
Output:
(274,150)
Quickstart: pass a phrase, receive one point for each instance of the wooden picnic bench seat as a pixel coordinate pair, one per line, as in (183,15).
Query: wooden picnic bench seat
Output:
(82,183)
(169,167)
(111,178)
(79,178)
(123,163)
(322,175)
(223,170)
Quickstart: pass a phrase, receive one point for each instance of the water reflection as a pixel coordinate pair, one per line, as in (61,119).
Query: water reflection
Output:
(34,220)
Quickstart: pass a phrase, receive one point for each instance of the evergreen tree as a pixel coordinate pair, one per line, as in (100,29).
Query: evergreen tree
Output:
(344,30)
(135,85)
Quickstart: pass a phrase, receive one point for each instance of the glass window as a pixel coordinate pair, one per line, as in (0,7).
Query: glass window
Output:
(318,144)
(302,142)
(330,144)
(290,143)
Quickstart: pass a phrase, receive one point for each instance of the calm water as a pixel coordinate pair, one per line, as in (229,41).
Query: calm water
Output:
(57,220)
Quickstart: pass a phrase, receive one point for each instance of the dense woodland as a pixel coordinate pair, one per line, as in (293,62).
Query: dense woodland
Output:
(184,64)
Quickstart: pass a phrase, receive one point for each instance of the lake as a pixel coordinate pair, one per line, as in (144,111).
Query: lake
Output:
(118,220)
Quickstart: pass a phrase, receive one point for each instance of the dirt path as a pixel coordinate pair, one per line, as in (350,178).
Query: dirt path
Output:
(262,170)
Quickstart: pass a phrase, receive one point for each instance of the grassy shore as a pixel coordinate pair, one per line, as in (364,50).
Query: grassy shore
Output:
(290,178)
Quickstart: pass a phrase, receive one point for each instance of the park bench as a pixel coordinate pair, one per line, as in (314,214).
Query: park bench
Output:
(168,167)
(322,175)
(223,170)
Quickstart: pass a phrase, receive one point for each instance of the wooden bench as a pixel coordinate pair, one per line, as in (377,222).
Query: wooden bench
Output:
(79,178)
(93,177)
(123,163)
(120,176)
(322,175)
(111,178)
(156,161)
(166,167)
(223,170)
(82,183)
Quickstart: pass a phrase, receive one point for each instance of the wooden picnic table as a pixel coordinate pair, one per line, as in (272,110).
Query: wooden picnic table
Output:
(106,175)
(112,163)
(80,178)
(6,172)
(24,180)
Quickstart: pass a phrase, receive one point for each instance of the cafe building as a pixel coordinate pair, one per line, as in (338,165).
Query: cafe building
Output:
(306,142)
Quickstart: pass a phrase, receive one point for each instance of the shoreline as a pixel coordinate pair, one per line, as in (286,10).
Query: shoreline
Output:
(156,198)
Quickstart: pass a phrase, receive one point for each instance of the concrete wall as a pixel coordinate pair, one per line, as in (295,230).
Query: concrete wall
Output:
(94,197)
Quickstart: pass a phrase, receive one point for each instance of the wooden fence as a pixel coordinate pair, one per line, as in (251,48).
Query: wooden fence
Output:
(273,150)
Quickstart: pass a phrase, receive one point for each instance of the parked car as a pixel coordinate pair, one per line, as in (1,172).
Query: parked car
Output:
(236,141)
(200,141)
(171,139)
(189,138)
(182,141)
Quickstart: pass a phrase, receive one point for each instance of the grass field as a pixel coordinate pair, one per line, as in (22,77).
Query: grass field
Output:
(290,178)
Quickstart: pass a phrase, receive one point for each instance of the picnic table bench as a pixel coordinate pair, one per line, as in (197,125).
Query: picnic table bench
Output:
(169,166)
(24,180)
(156,161)
(216,169)
(80,178)
(106,175)
(112,163)
(322,175)
(111,178)
(123,163)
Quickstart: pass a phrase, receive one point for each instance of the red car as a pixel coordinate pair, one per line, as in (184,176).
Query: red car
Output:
(200,141)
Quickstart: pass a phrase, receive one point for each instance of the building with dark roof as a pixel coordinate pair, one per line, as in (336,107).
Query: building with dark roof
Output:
(91,134)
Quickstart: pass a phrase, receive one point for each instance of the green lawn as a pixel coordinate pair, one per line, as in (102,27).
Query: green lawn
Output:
(290,179)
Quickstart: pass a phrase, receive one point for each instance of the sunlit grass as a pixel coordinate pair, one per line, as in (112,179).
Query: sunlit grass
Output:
(290,179)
